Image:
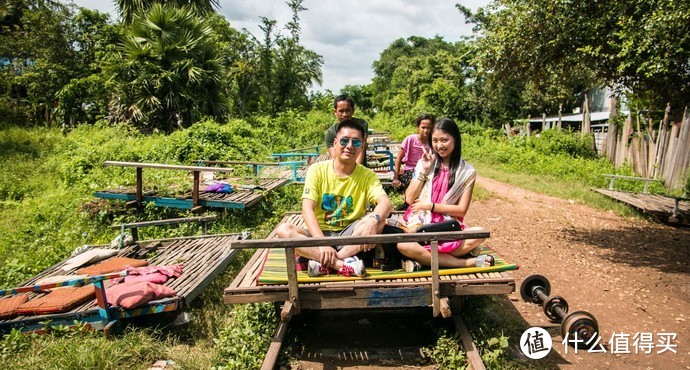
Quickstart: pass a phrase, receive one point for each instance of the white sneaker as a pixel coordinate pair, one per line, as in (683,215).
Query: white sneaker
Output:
(411,266)
(315,269)
(352,266)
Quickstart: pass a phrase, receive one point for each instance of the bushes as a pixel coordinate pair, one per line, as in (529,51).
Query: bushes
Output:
(244,343)
(236,140)
(46,203)
(563,155)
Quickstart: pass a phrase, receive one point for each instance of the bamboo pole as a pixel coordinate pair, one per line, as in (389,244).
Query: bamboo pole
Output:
(660,146)
(560,115)
(672,139)
(680,163)
(611,134)
(651,153)
(586,117)
(622,148)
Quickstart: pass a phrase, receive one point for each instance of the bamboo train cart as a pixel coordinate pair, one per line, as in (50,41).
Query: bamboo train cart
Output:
(394,147)
(378,137)
(671,209)
(203,257)
(308,156)
(266,170)
(242,197)
(441,292)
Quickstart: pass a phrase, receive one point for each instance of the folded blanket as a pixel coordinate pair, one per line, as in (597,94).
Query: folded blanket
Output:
(131,295)
(8,306)
(153,274)
(88,257)
(59,300)
(170,271)
(112,265)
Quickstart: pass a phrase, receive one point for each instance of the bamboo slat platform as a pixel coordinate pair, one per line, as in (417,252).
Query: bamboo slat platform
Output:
(203,257)
(672,209)
(409,292)
(240,198)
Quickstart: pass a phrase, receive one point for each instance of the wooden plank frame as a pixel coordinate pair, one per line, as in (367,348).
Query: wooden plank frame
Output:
(435,291)
(134,226)
(362,293)
(205,257)
(672,209)
(198,199)
(646,181)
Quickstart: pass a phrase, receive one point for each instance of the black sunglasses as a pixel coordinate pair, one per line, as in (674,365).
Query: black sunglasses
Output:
(344,141)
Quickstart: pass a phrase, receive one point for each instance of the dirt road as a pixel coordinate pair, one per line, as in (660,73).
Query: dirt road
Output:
(633,275)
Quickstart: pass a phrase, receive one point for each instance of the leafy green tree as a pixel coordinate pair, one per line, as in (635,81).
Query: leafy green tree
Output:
(422,75)
(362,95)
(240,53)
(296,68)
(85,97)
(37,57)
(392,57)
(10,13)
(287,69)
(557,47)
(170,74)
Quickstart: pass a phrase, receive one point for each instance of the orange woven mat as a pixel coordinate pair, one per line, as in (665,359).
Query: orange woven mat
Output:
(59,300)
(8,306)
(111,265)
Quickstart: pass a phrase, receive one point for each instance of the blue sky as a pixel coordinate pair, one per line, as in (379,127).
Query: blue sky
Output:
(350,35)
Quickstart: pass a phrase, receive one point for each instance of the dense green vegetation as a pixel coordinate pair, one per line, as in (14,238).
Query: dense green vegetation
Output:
(48,210)
(174,82)
(164,66)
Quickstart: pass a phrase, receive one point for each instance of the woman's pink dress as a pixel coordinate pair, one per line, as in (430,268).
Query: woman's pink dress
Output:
(439,188)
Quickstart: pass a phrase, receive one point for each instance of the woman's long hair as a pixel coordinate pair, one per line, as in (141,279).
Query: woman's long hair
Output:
(448,126)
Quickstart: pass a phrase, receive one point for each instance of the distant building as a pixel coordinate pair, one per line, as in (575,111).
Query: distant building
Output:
(599,112)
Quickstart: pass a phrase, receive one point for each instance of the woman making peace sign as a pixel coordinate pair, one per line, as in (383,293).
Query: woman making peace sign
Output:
(442,189)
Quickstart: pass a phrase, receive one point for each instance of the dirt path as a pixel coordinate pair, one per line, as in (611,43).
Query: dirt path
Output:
(633,275)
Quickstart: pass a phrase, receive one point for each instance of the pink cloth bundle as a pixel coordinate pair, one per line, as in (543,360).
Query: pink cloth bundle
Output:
(142,285)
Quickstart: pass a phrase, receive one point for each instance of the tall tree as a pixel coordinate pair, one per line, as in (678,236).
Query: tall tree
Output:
(241,56)
(422,75)
(287,68)
(641,46)
(37,58)
(129,8)
(84,98)
(296,67)
(171,73)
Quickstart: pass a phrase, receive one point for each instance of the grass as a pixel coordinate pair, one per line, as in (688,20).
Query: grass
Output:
(555,187)
(46,210)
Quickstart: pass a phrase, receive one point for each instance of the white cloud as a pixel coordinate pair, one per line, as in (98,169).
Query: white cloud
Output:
(350,35)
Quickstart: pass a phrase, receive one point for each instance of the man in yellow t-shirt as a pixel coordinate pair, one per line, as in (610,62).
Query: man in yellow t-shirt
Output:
(334,203)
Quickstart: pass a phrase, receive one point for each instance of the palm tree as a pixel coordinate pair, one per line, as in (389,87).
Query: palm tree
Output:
(128,8)
(171,74)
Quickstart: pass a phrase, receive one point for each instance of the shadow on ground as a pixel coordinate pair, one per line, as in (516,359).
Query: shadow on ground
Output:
(663,248)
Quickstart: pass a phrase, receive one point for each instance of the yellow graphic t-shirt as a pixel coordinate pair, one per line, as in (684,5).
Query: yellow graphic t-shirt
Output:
(340,201)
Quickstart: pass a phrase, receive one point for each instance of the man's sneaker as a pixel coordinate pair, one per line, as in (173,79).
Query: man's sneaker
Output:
(411,266)
(315,269)
(352,266)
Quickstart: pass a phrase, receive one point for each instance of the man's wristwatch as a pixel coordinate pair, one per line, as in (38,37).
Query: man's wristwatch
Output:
(376,216)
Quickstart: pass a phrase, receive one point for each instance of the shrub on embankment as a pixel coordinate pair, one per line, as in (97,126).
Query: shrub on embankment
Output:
(46,204)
